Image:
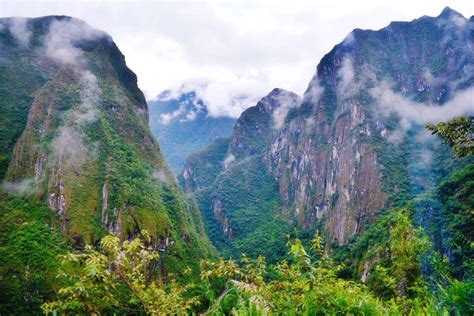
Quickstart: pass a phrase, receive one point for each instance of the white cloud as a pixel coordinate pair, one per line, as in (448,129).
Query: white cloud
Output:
(224,96)
(90,93)
(191,116)
(243,48)
(69,146)
(410,112)
(19,28)
(286,101)
(166,118)
(228,160)
(59,43)
(25,186)
(314,91)
(346,77)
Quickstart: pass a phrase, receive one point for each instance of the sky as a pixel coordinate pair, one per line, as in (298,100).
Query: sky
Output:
(235,52)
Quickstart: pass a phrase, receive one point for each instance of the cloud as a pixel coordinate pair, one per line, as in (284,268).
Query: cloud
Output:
(346,85)
(190,116)
(60,41)
(69,147)
(226,96)
(286,101)
(19,28)
(266,44)
(166,118)
(228,160)
(87,111)
(23,187)
(225,99)
(414,113)
(314,91)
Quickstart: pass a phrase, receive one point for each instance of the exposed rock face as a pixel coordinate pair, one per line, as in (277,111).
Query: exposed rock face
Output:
(355,144)
(86,148)
(329,158)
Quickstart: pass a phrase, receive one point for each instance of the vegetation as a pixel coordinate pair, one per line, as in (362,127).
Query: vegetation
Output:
(60,260)
(29,246)
(118,278)
(457,133)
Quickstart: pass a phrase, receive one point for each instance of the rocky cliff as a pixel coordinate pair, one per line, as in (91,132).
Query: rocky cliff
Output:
(79,139)
(355,145)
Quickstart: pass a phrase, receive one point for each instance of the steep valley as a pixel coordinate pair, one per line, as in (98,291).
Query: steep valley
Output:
(352,149)
(354,198)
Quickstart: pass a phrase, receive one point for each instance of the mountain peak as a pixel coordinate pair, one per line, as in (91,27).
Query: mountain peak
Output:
(448,12)
(279,98)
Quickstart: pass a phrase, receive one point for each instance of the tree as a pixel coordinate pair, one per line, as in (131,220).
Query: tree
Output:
(307,284)
(118,277)
(458,133)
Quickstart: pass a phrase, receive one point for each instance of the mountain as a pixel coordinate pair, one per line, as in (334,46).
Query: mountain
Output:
(78,159)
(353,149)
(237,195)
(181,122)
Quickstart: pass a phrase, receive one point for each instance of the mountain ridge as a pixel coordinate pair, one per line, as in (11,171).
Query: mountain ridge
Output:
(351,138)
(85,149)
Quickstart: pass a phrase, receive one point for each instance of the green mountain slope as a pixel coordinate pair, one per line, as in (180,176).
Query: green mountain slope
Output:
(237,196)
(77,149)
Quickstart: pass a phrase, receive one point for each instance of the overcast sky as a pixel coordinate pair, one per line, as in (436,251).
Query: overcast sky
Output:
(240,49)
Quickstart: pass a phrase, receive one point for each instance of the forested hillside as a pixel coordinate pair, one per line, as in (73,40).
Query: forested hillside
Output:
(78,160)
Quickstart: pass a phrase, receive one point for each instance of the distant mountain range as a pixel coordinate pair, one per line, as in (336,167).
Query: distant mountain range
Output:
(182,124)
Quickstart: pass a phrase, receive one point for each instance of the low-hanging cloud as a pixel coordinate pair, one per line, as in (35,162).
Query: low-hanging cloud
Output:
(346,77)
(59,43)
(314,91)
(414,113)
(286,101)
(18,26)
(228,161)
(22,187)
(88,111)
(166,118)
(224,99)
(69,146)
(219,97)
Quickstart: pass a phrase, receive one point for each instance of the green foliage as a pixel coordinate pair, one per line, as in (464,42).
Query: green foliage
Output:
(307,284)
(457,196)
(457,133)
(406,245)
(19,78)
(250,204)
(119,277)
(205,165)
(28,255)
(388,258)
